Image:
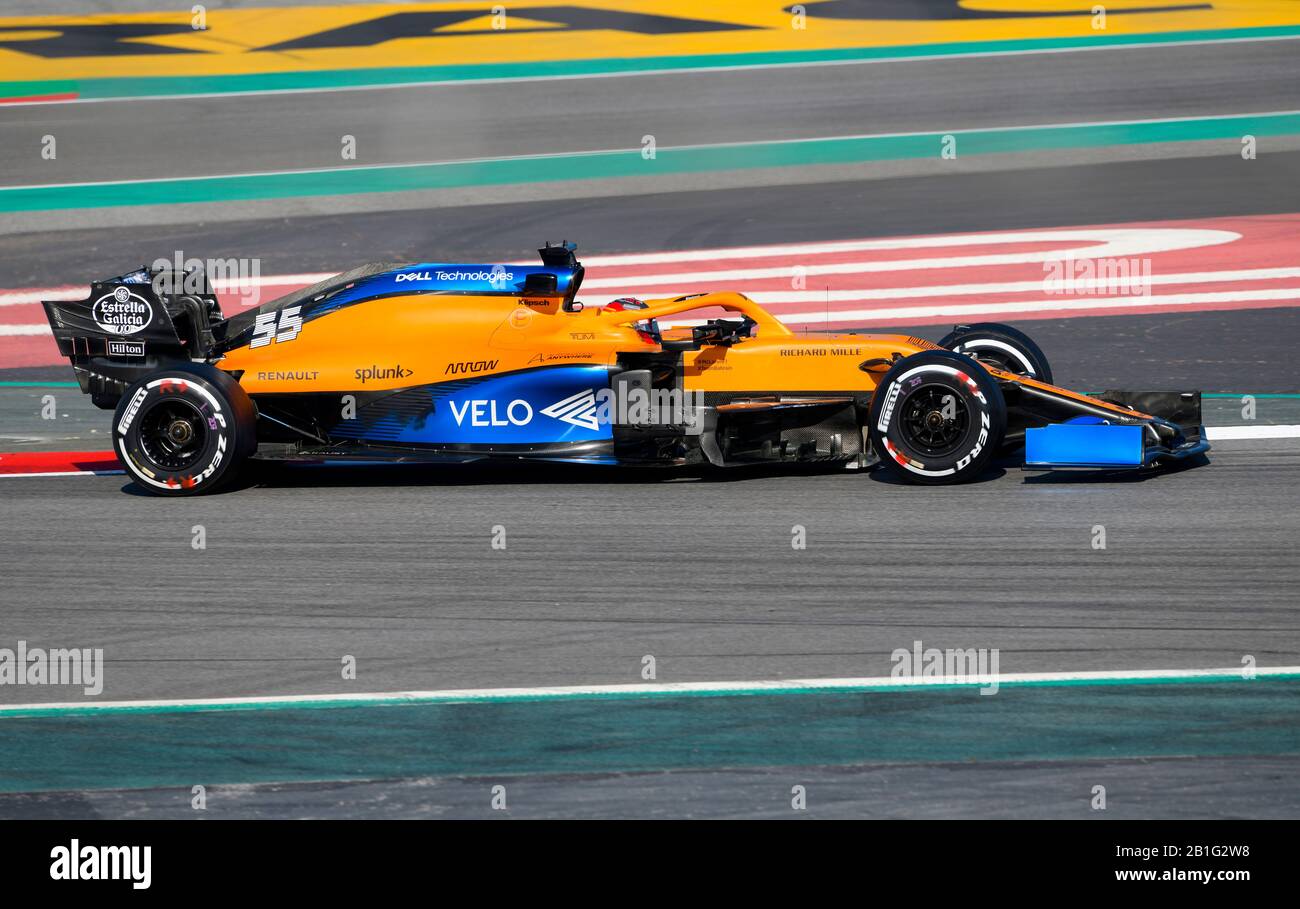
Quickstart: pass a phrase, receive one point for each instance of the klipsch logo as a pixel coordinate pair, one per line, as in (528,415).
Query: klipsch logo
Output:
(122,312)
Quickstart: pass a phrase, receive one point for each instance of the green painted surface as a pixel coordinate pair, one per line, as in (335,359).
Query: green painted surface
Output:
(122,87)
(37,89)
(630,163)
(1048,722)
(39,385)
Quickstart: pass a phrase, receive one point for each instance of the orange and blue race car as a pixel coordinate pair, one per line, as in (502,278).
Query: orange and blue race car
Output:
(451,363)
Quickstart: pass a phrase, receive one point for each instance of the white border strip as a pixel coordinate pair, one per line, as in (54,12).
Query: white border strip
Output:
(459,695)
(1280,431)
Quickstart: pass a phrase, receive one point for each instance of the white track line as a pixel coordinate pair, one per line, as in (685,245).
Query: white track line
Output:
(1110,241)
(460,695)
(13,331)
(1219,433)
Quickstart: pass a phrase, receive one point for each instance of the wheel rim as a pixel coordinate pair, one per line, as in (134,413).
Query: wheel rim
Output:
(173,434)
(934,420)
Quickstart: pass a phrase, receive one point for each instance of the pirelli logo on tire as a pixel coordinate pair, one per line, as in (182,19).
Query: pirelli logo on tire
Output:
(131,410)
(887,410)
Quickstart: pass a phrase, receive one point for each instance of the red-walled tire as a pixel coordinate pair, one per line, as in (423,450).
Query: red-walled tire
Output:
(937,418)
(184,430)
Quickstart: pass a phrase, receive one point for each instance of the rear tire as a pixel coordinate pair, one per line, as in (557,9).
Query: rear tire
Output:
(184,430)
(1002,347)
(937,418)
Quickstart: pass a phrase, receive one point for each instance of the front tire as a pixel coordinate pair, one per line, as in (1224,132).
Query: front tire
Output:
(937,418)
(184,430)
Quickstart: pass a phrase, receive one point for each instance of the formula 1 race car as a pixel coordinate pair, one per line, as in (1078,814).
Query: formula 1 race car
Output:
(457,363)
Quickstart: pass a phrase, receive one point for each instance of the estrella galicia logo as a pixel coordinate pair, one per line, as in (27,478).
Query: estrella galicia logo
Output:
(122,312)
(577,410)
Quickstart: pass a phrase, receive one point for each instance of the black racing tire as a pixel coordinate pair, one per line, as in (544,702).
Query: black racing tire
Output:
(937,418)
(184,430)
(1000,346)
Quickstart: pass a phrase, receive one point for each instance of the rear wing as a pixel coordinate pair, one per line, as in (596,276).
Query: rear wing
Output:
(125,328)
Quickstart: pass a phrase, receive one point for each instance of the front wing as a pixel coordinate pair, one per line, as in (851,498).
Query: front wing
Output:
(1161,427)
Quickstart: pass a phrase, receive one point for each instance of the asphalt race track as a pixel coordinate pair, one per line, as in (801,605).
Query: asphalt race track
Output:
(394,567)
(699,572)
